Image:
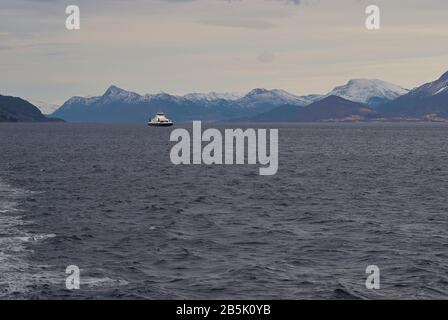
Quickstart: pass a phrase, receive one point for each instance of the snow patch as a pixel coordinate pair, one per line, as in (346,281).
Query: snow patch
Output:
(363,90)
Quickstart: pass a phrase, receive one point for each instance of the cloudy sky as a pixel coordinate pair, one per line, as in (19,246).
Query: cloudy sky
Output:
(181,46)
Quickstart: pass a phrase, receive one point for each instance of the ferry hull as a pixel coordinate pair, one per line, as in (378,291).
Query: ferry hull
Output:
(153,124)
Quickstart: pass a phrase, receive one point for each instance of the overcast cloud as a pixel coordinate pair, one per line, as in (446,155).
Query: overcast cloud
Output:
(181,46)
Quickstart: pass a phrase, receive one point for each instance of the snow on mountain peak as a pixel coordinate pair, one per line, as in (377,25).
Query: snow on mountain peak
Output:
(112,90)
(257,91)
(276,96)
(364,90)
(372,92)
(114,93)
(212,96)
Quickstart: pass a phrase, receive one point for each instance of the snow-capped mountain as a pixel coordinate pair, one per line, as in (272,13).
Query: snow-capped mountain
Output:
(439,86)
(369,91)
(113,93)
(276,97)
(213,96)
(429,101)
(118,105)
(209,106)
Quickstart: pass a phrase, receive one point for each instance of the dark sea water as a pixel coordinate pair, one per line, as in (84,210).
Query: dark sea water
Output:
(107,199)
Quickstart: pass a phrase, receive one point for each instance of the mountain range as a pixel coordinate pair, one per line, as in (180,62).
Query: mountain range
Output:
(118,105)
(362,100)
(357,100)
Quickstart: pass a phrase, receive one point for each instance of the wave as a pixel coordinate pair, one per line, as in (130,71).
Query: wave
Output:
(15,272)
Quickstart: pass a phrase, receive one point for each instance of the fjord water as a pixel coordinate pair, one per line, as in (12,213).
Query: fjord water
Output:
(107,199)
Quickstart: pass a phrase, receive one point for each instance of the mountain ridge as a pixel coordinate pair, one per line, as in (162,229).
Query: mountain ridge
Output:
(211,106)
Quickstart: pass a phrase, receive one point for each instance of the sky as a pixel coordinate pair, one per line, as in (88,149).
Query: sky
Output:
(183,46)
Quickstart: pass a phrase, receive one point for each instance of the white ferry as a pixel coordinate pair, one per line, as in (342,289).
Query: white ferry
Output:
(160,120)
